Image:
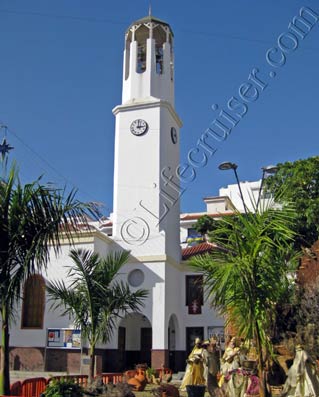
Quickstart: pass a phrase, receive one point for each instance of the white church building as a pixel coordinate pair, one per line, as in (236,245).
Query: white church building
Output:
(146,220)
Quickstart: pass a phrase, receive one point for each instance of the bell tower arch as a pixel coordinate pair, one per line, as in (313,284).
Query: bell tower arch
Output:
(148,61)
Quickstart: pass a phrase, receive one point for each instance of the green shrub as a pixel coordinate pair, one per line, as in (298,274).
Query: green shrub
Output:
(63,387)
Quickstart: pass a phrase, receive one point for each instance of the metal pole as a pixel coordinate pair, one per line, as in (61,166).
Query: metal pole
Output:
(240,191)
(260,189)
(270,169)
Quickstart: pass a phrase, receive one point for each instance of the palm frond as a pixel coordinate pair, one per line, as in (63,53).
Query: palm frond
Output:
(247,274)
(94,297)
(34,218)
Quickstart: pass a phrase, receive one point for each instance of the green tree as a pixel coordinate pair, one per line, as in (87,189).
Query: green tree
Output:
(298,182)
(94,298)
(204,225)
(247,275)
(32,217)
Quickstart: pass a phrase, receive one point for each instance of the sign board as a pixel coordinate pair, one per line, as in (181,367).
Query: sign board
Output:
(64,338)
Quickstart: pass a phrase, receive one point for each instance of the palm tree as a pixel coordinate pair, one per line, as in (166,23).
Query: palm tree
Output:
(246,277)
(94,298)
(32,219)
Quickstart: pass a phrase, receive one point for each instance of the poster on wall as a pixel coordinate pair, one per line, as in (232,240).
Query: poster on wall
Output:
(76,339)
(64,338)
(218,333)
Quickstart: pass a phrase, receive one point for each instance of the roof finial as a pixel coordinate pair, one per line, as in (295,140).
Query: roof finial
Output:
(150,9)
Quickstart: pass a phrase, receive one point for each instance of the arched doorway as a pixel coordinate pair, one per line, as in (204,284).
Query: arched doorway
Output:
(134,340)
(172,331)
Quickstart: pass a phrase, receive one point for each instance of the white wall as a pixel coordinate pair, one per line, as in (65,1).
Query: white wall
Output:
(250,192)
(56,270)
(139,189)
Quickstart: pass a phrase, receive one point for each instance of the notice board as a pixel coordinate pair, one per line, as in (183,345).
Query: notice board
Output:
(64,338)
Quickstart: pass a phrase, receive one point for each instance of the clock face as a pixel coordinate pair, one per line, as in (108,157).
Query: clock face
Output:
(139,127)
(174,135)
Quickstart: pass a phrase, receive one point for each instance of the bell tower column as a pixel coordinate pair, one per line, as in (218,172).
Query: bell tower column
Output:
(146,185)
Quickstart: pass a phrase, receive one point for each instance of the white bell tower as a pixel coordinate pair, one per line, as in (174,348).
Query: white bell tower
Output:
(146,183)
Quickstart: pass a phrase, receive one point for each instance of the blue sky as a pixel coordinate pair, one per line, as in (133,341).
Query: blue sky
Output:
(61,75)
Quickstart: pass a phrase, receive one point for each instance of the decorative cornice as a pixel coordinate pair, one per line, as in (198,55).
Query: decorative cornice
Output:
(156,258)
(148,104)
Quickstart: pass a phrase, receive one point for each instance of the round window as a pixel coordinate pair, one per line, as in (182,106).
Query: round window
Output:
(136,278)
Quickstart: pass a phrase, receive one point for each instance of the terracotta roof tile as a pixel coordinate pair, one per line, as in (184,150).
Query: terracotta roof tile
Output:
(198,249)
(106,224)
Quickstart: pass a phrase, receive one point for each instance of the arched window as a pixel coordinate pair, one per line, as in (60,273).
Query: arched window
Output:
(33,302)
